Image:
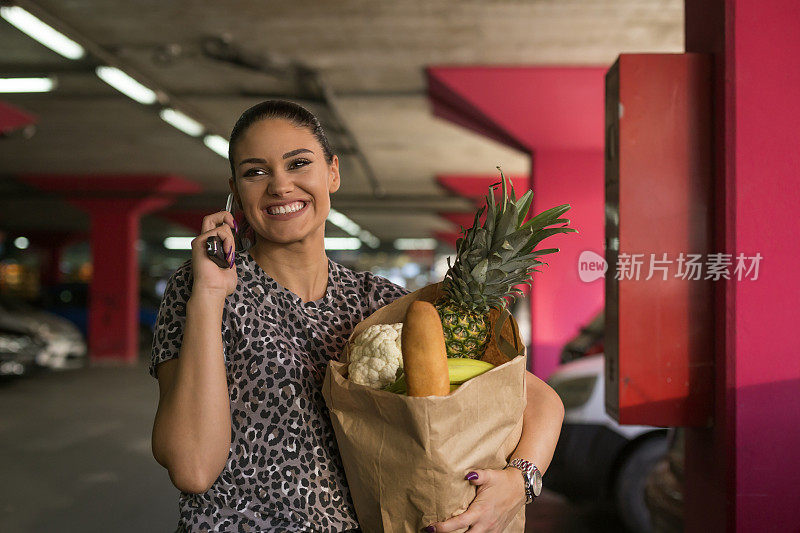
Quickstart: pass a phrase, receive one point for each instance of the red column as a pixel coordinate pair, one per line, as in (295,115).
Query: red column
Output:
(741,474)
(561,302)
(51,244)
(115,204)
(114,291)
(556,115)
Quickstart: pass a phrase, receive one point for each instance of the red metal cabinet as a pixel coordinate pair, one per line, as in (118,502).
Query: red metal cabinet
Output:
(658,182)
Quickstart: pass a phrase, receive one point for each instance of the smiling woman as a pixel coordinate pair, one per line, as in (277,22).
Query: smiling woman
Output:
(260,177)
(240,353)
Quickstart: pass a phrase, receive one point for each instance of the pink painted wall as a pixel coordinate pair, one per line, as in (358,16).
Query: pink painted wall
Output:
(741,474)
(764,169)
(562,303)
(556,114)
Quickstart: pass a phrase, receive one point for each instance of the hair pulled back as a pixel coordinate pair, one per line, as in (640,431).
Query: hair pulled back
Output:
(296,114)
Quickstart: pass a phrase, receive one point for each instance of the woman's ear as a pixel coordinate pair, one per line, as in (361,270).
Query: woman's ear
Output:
(236,200)
(334,180)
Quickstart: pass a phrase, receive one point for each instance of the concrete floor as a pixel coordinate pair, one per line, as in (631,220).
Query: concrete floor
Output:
(75,457)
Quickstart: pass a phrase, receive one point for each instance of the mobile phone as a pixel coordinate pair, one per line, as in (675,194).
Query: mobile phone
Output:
(214,248)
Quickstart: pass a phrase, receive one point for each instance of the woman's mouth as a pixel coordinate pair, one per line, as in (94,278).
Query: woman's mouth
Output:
(286,211)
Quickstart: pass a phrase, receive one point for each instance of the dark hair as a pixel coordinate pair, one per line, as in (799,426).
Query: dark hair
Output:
(285,109)
(273,109)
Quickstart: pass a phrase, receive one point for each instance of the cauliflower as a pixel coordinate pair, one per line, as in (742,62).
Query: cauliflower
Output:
(375,355)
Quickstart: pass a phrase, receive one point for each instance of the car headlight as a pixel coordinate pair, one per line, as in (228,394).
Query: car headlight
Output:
(575,392)
(14,343)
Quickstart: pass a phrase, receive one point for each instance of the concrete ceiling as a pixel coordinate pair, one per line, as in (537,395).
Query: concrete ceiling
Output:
(370,54)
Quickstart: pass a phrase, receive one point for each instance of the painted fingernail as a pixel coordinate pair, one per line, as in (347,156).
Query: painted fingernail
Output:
(235,226)
(430,529)
(472,476)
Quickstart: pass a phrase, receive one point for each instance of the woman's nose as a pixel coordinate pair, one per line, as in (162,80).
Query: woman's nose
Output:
(280,184)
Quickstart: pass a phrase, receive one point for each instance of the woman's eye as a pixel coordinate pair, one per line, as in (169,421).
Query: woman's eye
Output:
(255,172)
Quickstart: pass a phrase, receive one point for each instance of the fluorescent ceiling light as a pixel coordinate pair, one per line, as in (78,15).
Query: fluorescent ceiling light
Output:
(126,85)
(38,30)
(415,244)
(371,240)
(27,85)
(342,221)
(186,124)
(21,243)
(342,243)
(217,144)
(178,243)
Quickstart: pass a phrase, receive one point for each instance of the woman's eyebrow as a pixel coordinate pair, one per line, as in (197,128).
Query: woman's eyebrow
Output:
(295,152)
(287,154)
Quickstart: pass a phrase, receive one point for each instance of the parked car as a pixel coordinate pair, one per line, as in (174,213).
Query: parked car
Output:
(63,346)
(596,458)
(587,342)
(71,301)
(18,349)
(664,487)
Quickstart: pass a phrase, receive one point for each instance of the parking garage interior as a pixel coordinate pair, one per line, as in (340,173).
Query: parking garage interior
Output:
(666,126)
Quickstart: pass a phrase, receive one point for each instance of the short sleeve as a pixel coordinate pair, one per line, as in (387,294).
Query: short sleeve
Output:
(171,319)
(381,291)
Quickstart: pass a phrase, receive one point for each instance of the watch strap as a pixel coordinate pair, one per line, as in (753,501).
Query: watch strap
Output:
(527,469)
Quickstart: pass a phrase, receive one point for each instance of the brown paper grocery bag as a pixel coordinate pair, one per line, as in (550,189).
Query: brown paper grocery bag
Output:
(405,458)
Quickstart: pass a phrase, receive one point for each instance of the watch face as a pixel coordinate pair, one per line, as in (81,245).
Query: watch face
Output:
(537,482)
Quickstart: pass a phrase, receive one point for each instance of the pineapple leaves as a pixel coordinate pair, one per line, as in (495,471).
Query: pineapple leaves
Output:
(524,204)
(477,223)
(479,272)
(544,251)
(496,256)
(491,213)
(547,218)
(547,232)
(508,216)
(504,190)
(494,276)
(516,241)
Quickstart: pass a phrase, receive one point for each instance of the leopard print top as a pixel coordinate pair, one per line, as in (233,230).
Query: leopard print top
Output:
(284,472)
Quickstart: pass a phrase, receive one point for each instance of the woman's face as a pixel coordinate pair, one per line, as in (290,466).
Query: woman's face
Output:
(284,182)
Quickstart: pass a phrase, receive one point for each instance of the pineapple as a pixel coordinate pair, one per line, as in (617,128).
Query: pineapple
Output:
(490,260)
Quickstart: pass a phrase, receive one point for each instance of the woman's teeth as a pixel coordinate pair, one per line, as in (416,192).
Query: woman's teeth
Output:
(283,209)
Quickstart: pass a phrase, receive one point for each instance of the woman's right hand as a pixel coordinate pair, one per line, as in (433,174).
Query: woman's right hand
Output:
(208,277)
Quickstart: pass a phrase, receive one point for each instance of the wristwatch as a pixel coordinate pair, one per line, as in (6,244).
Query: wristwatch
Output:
(532,477)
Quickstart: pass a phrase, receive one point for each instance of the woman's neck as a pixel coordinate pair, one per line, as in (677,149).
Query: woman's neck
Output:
(301,268)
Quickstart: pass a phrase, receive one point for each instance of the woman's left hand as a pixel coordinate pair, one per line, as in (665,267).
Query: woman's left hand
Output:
(500,495)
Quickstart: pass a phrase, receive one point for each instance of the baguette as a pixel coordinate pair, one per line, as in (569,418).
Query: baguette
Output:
(424,351)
